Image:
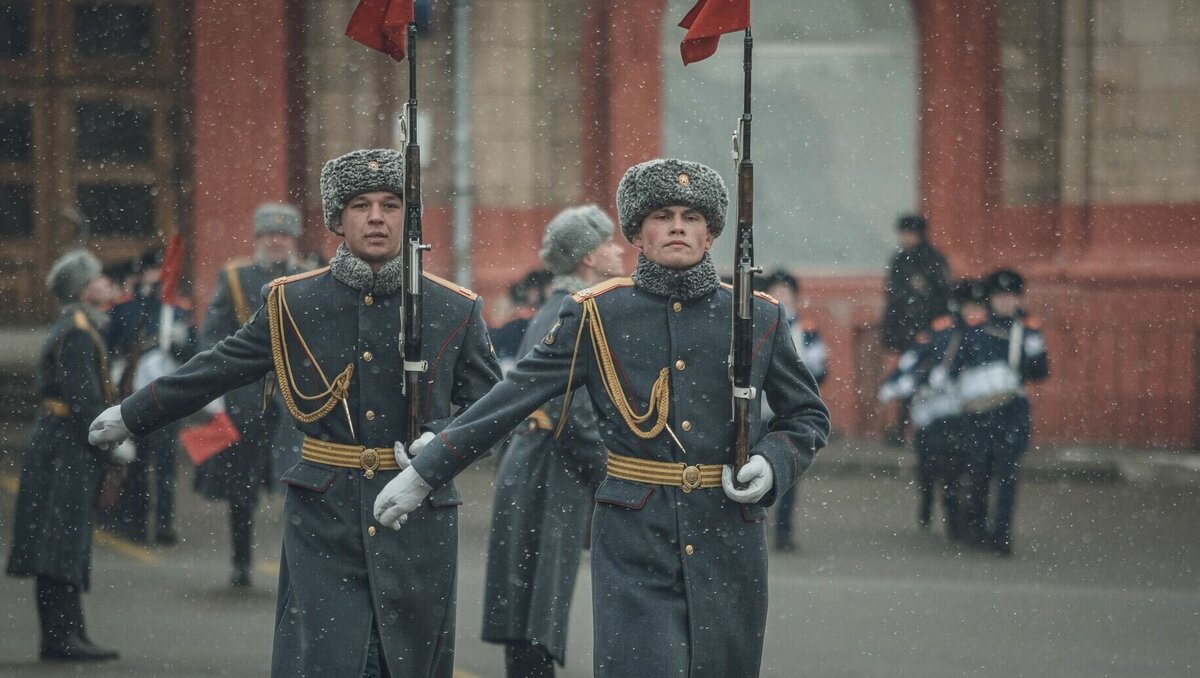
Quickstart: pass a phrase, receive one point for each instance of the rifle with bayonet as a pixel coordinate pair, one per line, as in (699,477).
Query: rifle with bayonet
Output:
(742,350)
(411,315)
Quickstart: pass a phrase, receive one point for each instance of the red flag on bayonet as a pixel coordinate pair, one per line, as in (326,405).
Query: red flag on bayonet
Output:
(707,21)
(382,25)
(172,268)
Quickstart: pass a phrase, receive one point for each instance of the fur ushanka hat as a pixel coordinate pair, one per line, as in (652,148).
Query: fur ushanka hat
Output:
(358,172)
(668,182)
(572,235)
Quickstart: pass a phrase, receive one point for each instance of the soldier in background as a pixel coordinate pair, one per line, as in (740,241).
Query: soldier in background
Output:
(544,485)
(139,355)
(679,552)
(783,287)
(237,474)
(60,478)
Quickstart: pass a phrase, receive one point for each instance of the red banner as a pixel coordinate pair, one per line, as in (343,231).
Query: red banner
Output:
(210,438)
(382,25)
(707,21)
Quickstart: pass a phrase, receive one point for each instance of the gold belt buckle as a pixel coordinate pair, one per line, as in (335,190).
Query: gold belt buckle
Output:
(369,461)
(690,479)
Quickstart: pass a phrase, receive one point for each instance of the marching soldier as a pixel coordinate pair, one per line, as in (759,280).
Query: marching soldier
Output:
(679,553)
(60,479)
(544,486)
(238,473)
(352,598)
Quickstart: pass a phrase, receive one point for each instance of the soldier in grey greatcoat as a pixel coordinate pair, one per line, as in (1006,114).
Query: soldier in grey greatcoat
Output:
(238,473)
(52,527)
(544,485)
(679,555)
(351,596)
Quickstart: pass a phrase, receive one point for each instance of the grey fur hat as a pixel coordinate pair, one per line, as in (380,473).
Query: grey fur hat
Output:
(71,273)
(277,217)
(668,182)
(572,235)
(358,172)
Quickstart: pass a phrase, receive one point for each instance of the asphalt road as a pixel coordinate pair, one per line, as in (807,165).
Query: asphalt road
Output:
(1103,583)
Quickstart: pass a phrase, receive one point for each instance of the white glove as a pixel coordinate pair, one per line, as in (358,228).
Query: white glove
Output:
(400,497)
(215,407)
(108,429)
(403,458)
(124,452)
(756,474)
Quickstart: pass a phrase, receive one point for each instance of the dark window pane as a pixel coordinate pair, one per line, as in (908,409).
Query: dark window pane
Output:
(113,131)
(16,211)
(110,29)
(14,29)
(16,132)
(117,209)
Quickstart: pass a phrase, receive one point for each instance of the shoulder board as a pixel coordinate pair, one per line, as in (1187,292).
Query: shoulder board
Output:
(600,288)
(453,287)
(299,276)
(976,319)
(1033,322)
(80,320)
(238,263)
(761,295)
(942,323)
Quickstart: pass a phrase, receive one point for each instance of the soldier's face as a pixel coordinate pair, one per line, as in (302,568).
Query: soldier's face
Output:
(607,260)
(676,237)
(274,248)
(1004,304)
(373,225)
(99,293)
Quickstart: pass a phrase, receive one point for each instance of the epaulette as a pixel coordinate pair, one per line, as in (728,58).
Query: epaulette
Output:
(942,323)
(287,279)
(761,295)
(600,288)
(81,321)
(453,287)
(239,262)
(1032,322)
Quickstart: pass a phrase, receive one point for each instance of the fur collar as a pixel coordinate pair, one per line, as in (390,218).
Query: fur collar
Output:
(693,283)
(356,273)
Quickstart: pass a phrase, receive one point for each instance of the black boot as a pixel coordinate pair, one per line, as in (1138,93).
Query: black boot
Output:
(61,614)
(241,529)
(527,660)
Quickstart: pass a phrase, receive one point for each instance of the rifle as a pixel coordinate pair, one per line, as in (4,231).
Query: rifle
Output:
(411,314)
(742,350)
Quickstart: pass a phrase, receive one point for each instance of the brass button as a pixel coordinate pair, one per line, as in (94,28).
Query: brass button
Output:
(686,425)
(368,300)
(368,356)
(370,415)
(679,365)
(371,531)
(689,549)
(677,306)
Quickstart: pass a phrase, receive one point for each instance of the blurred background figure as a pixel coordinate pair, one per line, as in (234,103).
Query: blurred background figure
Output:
(916,290)
(61,474)
(997,359)
(237,474)
(148,338)
(527,296)
(784,287)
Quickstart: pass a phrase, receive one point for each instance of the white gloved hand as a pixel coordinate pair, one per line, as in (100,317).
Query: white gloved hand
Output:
(108,429)
(124,452)
(757,475)
(403,458)
(215,407)
(400,497)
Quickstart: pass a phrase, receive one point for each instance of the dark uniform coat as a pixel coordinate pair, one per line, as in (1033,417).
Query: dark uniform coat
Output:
(62,472)
(679,580)
(341,571)
(916,291)
(544,491)
(246,465)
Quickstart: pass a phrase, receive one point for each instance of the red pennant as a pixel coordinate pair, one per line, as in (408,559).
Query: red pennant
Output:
(210,438)
(172,269)
(382,25)
(707,21)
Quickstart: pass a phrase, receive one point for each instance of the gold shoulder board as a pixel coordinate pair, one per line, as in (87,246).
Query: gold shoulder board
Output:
(600,288)
(284,280)
(453,287)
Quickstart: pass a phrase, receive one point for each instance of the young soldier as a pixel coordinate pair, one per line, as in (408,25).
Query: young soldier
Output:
(238,473)
(545,485)
(679,567)
(52,527)
(350,595)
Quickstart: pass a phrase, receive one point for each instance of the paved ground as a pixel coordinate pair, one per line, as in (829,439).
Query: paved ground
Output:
(1104,583)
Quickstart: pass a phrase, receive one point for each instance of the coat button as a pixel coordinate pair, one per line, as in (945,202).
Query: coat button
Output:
(677,306)
(371,532)
(368,300)
(686,425)
(689,549)
(679,365)
(368,356)
(370,415)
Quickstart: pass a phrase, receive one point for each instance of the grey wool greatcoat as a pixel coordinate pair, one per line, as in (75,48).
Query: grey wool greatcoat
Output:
(544,491)
(679,580)
(341,571)
(238,472)
(61,474)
